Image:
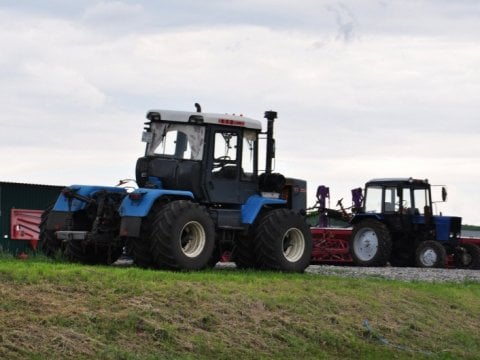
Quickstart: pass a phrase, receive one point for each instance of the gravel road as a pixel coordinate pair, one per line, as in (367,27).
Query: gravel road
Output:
(395,273)
(398,273)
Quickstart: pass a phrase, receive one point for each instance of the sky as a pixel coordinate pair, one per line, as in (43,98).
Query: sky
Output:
(363,89)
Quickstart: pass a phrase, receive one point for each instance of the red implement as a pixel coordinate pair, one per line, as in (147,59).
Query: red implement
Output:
(330,245)
(25,225)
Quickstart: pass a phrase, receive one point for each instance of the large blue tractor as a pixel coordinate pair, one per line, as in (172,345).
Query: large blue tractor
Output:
(201,191)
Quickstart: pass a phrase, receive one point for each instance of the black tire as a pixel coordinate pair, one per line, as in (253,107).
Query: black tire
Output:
(430,254)
(243,252)
(140,247)
(283,241)
(182,236)
(48,242)
(140,250)
(467,256)
(370,243)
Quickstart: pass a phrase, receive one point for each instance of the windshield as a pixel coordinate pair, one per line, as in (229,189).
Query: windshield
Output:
(178,141)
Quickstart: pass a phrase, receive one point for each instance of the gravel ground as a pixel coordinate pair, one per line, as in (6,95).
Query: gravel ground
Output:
(394,273)
(398,273)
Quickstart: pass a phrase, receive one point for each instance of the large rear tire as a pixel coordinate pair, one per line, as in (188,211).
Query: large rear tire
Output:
(370,243)
(430,254)
(467,256)
(182,236)
(283,241)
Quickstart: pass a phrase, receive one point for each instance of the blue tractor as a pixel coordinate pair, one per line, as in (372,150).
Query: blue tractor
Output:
(201,192)
(396,224)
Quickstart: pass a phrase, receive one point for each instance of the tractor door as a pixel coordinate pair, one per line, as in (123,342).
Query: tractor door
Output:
(230,177)
(392,209)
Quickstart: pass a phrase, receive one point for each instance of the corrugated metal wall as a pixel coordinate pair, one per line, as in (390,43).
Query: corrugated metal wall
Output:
(21,196)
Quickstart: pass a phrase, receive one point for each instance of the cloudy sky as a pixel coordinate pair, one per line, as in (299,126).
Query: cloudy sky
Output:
(363,89)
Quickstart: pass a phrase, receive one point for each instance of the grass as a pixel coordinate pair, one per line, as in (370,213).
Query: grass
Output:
(54,310)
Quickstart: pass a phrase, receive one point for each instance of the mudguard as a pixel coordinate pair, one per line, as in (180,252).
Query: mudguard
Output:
(66,204)
(139,202)
(253,206)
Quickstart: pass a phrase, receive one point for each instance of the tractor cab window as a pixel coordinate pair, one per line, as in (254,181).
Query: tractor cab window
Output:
(392,201)
(248,154)
(373,200)
(178,141)
(421,201)
(406,201)
(225,155)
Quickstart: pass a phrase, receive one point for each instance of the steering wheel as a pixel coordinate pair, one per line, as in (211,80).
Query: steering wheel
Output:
(221,161)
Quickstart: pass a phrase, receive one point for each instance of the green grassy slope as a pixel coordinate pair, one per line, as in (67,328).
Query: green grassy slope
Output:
(58,311)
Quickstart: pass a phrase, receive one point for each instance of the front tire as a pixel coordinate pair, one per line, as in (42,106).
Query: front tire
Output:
(370,243)
(283,241)
(430,254)
(182,236)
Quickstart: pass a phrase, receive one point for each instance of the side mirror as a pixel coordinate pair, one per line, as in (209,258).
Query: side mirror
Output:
(444,194)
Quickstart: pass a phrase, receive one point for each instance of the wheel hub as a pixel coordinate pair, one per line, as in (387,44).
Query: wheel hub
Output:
(429,257)
(293,245)
(365,244)
(193,239)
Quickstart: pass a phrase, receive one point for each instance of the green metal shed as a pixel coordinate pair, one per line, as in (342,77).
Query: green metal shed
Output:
(21,196)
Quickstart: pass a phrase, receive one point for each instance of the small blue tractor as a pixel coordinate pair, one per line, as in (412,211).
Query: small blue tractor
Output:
(396,224)
(201,192)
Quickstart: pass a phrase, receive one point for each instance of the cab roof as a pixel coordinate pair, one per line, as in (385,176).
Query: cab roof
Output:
(205,118)
(398,182)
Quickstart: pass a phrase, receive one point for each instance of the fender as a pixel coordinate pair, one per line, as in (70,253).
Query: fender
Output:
(253,206)
(66,204)
(139,202)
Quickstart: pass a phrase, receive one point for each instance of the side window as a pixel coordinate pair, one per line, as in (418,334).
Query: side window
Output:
(373,202)
(225,155)
(176,144)
(421,200)
(392,202)
(226,146)
(248,154)
(406,201)
(176,140)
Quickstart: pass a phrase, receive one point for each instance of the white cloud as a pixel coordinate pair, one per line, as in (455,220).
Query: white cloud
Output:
(362,90)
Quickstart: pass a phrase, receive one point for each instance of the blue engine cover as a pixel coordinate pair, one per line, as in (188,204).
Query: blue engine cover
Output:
(62,203)
(442,227)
